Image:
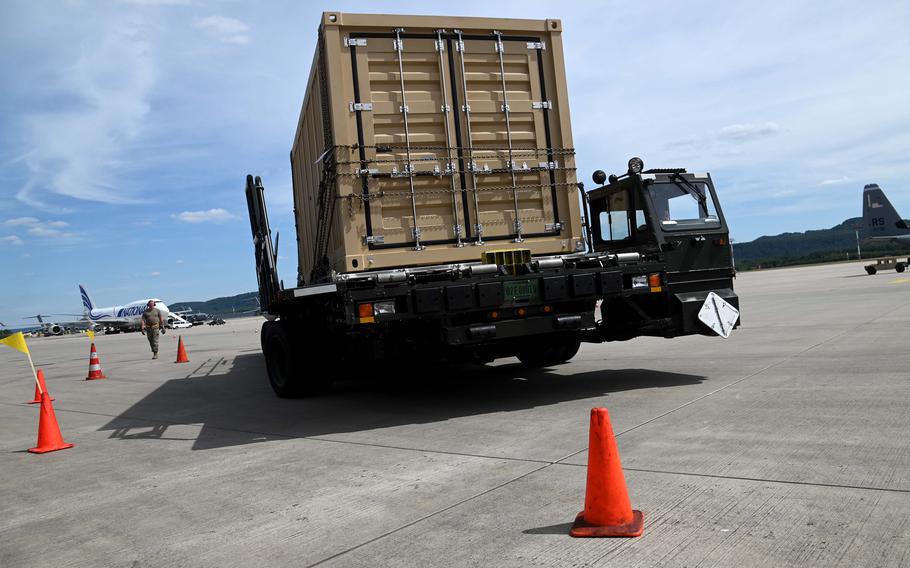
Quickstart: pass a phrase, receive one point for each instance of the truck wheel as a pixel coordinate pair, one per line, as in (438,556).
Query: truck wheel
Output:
(549,353)
(287,374)
(900,266)
(871,270)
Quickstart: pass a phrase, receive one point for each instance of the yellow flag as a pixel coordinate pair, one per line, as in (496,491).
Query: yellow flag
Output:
(90,334)
(16,341)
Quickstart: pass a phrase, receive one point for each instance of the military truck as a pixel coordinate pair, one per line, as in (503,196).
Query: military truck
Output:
(438,214)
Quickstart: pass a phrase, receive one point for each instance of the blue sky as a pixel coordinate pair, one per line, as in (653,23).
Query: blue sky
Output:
(128,127)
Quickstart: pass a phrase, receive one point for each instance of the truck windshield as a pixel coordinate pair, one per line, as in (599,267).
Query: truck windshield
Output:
(681,205)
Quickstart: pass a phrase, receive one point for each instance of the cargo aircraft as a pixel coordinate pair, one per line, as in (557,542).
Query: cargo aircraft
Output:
(880,220)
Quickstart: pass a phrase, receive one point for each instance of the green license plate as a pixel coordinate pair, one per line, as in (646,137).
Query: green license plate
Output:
(519,289)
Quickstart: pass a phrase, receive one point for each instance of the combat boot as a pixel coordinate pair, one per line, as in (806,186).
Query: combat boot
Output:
(155,355)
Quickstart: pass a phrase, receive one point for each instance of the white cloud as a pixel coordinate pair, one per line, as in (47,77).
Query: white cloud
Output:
(834,181)
(747,132)
(179,261)
(156,273)
(212,215)
(726,141)
(21,222)
(12,239)
(39,228)
(79,149)
(225,29)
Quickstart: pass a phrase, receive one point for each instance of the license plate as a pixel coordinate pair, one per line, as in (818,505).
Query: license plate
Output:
(519,289)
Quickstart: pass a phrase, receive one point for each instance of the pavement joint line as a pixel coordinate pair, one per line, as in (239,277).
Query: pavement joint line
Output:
(427,516)
(761,480)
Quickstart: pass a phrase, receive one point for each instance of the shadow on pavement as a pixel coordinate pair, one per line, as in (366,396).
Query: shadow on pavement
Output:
(234,404)
(561,528)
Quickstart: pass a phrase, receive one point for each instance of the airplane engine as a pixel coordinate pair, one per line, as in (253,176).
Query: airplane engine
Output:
(54,329)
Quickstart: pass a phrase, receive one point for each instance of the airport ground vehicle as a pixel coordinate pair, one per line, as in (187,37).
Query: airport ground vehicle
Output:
(898,263)
(438,215)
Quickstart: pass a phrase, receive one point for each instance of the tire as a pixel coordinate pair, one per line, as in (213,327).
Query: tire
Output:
(871,270)
(548,353)
(289,377)
(900,267)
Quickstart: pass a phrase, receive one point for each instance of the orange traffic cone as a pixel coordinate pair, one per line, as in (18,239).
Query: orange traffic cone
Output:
(94,366)
(608,511)
(37,391)
(49,437)
(181,351)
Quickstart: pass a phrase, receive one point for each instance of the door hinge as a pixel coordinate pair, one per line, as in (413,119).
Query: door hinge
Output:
(553,227)
(542,105)
(537,45)
(357,107)
(375,239)
(548,165)
(355,42)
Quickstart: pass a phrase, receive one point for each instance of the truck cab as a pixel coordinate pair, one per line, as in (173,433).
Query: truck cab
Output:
(672,220)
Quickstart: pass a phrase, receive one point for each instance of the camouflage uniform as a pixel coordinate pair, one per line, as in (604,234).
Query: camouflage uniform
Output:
(151,317)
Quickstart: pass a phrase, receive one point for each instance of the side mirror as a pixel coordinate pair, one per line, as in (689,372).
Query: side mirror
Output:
(599,177)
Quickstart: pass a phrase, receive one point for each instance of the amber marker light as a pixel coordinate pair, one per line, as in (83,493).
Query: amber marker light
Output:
(494,315)
(547,309)
(654,282)
(365,313)
(521,312)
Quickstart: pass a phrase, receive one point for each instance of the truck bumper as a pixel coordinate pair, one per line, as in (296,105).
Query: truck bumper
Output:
(510,329)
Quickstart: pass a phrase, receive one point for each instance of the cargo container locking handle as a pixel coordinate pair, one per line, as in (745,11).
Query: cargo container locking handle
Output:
(450,162)
(407,139)
(472,167)
(505,109)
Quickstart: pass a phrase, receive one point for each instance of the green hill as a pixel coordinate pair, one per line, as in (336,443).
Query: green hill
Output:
(225,306)
(822,245)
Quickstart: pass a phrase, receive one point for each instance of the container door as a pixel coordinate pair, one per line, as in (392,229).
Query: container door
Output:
(408,135)
(505,133)
(455,135)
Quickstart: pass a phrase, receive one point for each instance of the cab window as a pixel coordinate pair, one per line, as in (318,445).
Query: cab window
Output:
(618,219)
(683,205)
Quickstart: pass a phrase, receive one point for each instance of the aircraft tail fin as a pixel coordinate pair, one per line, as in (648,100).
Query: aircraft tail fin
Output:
(880,219)
(86,300)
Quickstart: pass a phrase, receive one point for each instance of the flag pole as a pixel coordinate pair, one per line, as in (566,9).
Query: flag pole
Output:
(34,373)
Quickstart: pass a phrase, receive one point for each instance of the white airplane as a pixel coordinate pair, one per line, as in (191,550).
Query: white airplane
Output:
(127,316)
(880,220)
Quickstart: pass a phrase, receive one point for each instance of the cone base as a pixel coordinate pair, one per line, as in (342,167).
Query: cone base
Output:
(186,361)
(46,450)
(38,401)
(583,529)
(94,378)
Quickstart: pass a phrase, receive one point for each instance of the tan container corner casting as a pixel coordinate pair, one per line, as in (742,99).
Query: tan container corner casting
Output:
(428,140)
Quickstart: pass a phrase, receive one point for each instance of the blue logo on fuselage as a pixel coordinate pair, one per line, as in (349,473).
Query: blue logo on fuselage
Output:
(130,311)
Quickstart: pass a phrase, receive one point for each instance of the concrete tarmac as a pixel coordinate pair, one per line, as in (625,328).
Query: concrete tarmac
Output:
(786,445)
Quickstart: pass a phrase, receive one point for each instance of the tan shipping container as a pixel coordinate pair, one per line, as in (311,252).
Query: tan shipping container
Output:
(428,140)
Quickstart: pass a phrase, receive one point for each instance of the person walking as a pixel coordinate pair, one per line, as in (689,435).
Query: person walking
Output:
(151,321)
